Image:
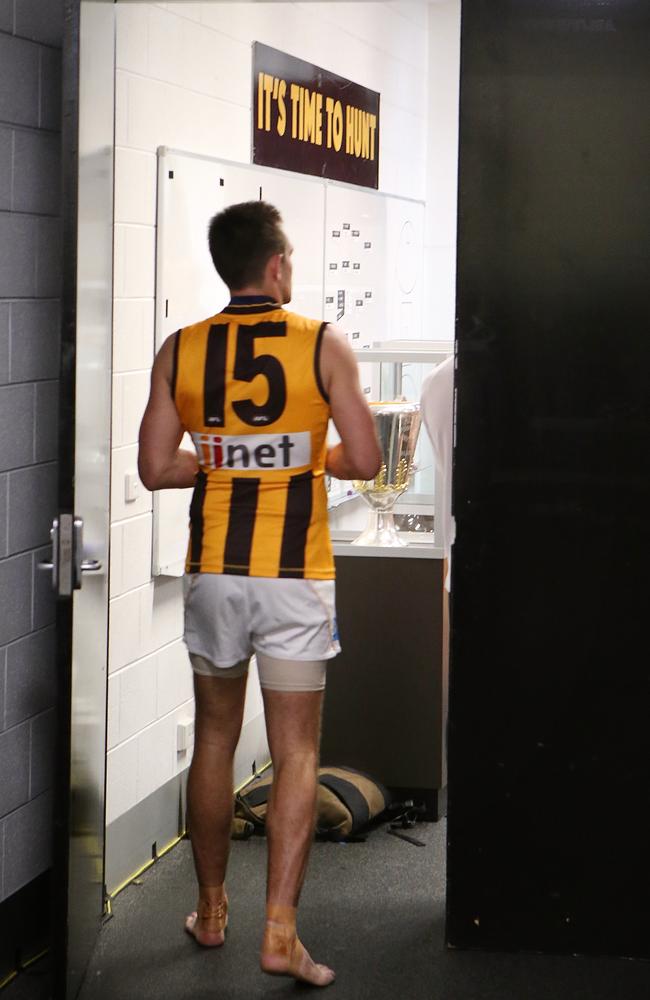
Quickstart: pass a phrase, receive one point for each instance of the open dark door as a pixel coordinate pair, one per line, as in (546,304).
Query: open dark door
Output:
(80,552)
(549,743)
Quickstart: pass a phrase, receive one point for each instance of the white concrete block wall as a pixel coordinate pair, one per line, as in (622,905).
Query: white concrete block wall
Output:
(442,167)
(133,335)
(147,699)
(130,554)
(184,80)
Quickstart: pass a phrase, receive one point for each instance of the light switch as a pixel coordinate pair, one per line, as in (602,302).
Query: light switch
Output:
(132,487)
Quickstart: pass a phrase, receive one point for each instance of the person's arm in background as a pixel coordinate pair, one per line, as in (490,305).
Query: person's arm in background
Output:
(161,463)
(437,409)
(357,456)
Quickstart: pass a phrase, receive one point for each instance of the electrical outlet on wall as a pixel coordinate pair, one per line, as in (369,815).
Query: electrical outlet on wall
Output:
(132,487)
(184,734)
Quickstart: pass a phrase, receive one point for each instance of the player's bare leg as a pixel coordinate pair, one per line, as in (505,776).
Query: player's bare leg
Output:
(219,714)
(293,727)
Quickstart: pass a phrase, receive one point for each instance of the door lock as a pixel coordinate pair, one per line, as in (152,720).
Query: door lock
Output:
(68,565)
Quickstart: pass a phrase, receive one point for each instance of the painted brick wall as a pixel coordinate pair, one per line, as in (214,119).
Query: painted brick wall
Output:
(184,80)
(442,168)
(30,98)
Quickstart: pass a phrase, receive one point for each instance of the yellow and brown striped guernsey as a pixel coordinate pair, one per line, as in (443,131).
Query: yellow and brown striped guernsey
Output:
(247,387)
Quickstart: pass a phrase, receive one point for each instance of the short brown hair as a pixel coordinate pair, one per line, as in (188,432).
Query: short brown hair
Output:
(242,238)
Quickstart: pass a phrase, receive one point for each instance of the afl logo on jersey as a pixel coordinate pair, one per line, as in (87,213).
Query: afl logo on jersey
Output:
(253,451)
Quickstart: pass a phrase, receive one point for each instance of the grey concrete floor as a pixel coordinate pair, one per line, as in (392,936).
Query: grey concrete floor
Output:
(374,911)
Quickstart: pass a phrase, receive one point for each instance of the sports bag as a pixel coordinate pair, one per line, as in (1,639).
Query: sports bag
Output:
(347,801)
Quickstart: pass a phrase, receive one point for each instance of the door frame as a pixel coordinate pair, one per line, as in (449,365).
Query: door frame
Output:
(67,410)
(84,485)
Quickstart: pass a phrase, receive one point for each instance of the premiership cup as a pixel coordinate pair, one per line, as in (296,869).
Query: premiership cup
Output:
(398,426)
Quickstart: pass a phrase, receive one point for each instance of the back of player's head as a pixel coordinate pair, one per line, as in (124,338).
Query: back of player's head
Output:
(242,238)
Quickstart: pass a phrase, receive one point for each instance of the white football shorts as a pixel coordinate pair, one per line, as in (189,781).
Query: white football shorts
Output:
(228,618)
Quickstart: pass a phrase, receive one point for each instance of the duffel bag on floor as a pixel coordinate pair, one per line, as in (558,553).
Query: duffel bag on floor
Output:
(347,801)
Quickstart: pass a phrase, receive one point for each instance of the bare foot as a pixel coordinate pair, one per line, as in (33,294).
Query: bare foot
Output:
(283,954)
(208,925)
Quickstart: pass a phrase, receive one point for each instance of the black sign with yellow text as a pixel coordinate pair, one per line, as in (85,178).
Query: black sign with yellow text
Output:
(312,121)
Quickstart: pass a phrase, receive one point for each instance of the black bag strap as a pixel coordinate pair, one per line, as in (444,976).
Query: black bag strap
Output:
(242,802)
(350,796)
(257,796)
(385,794)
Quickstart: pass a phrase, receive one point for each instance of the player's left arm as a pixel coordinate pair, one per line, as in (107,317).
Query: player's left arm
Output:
(162,464)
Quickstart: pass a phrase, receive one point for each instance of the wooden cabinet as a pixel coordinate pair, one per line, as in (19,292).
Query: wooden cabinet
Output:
(386,702)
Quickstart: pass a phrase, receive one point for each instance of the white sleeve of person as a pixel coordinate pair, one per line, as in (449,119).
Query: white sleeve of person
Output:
(437,408)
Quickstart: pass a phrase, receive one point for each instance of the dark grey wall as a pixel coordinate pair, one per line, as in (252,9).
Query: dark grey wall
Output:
(30,208)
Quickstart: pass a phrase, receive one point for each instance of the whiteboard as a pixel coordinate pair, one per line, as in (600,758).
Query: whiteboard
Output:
(191,189)
(370,291)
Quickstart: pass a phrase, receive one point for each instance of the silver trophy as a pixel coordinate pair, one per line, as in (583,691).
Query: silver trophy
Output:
(398,426)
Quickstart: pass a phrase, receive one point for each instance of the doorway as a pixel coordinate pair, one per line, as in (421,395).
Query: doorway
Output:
(157,102)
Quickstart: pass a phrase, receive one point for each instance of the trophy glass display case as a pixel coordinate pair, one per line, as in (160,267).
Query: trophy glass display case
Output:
(391,377)
(385,710)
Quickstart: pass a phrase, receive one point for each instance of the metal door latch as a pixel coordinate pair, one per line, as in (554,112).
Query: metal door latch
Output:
(68,565)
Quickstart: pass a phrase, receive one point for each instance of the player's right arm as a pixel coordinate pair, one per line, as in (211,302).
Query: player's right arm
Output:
(162,464)
(358,455)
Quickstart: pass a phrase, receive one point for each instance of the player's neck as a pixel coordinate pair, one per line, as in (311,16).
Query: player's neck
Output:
(269,291)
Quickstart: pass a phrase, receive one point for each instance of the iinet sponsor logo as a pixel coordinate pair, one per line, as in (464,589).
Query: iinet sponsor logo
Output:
(253,451)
